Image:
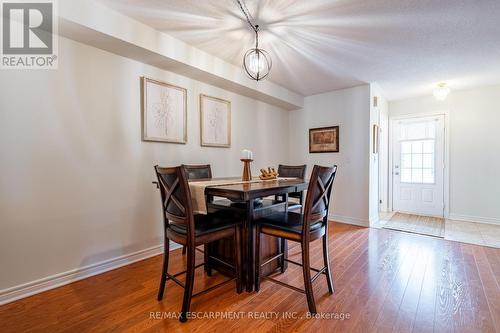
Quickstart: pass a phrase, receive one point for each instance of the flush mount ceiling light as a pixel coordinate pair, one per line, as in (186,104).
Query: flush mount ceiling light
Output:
(256,62)
(441,91)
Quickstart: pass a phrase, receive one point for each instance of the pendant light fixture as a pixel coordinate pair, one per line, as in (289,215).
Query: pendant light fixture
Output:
(256,61)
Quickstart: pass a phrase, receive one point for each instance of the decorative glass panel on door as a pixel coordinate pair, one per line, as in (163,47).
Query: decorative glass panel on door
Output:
(418,141)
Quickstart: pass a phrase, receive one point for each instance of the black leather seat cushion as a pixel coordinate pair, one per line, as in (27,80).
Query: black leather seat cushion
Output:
(205,224)
(289,221)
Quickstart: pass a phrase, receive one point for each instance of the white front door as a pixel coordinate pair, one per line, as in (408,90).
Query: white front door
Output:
(418,165)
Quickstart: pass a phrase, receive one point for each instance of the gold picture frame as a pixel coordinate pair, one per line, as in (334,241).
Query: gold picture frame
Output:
(163,112)
(215,122)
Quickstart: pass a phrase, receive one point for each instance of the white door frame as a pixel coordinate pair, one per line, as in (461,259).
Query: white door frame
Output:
(446,173)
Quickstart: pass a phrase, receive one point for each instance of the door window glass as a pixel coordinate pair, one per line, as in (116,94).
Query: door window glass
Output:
(418,141)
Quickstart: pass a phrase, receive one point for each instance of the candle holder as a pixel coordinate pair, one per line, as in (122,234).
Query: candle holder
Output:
(247,173)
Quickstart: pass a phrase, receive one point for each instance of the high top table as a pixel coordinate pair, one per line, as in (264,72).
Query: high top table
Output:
(245,202)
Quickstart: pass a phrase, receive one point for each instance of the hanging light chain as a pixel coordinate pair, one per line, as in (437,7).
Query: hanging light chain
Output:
(248,16)
(256,62)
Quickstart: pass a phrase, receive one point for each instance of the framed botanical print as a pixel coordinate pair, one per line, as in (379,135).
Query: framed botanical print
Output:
(164,112)
(324,140)
(215,122)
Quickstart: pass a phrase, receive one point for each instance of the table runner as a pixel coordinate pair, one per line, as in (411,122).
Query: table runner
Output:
(197,189)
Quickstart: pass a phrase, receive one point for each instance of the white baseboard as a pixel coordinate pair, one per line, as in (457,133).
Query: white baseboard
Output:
(475,219)
(349,220)
(50,282)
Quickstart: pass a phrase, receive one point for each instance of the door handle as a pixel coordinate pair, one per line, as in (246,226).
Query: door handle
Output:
(396,173)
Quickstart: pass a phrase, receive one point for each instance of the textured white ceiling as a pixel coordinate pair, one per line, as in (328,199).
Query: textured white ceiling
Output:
(321,45)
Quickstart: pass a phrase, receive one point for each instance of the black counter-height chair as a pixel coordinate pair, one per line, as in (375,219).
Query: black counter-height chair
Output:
(297,171)
(302,228)
(190,230)
(198,171)
(202,171)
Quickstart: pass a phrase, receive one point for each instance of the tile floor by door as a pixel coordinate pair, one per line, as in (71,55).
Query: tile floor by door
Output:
(462,231)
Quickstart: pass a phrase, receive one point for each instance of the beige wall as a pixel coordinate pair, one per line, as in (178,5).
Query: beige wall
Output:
(75,177)
(350,109)
(474,118)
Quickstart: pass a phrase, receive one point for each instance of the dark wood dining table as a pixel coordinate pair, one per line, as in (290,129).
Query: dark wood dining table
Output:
(251,201)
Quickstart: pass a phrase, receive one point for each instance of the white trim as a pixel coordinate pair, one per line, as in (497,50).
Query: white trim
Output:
(349,220)
(447,137)
(474,219)
(50,282)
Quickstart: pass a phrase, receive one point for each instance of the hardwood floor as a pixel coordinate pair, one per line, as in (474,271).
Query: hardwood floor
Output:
(386,281)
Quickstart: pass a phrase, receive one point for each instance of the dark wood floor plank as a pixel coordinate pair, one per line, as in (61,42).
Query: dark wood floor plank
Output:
(489,283)
(409,305)
(424,316)
(482,315)
(388,269)
(390,309)
(345,290)
(494,262)
(355,297)
(386,280)
(463,312)
(446,285)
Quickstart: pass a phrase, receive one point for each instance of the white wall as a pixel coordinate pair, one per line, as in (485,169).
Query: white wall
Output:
(350,109)
(383,155)
(75,177)
(378,161)
(474,118)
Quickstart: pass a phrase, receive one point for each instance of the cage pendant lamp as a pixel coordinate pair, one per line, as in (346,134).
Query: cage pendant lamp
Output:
(257,62)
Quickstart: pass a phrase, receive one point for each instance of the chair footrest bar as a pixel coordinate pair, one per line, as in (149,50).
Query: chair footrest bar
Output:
(173,278)
(293,262)
(318,274)
(283,284)
(183,272)
(222,262)
(213,287)
(299,264)
(271,259)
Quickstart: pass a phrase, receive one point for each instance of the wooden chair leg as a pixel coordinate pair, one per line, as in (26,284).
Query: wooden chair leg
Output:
(306,269)
(206,257)
(164,270)
(257,258)
(326,259)
(237,247)
(188,290)
(282,251)
(301,201)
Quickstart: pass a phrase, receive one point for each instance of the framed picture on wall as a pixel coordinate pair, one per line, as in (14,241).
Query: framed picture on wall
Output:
(324,140)
(164,112)
(375,139)
(215,122)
